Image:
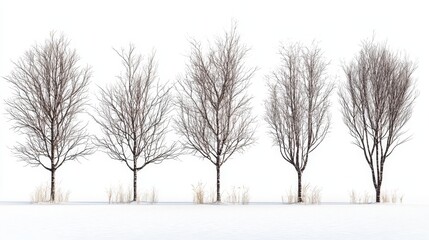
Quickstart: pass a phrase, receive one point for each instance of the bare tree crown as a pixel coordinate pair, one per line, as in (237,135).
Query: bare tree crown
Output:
(297,107)
(214,109)
(49,91)
(377,97)
(133,114)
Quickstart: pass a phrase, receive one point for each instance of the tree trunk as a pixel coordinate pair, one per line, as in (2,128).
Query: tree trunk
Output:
(52,200)
(299,187)
(135,186)
(377,193)
(218,200)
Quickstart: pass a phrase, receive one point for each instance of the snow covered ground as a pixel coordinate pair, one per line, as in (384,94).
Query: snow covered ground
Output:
(217,222)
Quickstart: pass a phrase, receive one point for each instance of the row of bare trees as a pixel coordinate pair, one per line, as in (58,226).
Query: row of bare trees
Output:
(213,106)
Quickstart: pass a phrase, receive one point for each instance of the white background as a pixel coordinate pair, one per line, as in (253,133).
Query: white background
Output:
(337,166)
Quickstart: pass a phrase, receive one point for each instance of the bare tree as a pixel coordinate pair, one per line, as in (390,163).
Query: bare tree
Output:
(214,109)
(133,115)
(376,102)
(297,108)
(49,92)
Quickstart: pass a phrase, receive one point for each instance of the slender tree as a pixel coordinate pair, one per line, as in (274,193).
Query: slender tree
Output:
(297,107)
(214,110)
(49,91)
(377,100)
(133,116)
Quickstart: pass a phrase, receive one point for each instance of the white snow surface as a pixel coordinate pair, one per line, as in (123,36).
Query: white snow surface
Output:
(217,222)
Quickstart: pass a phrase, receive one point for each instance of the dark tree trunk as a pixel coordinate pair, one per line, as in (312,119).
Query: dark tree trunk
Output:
(135,186)
(52,186)
(377,193)
(218,200)
(299,187)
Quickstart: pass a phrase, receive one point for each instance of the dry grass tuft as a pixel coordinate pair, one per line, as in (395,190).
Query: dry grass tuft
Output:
(120,195)
(385,197)
(310,195)
(356,198)
(199,193)
(391,197)
(42,194)
(150,196)
(201,196)
(238,195)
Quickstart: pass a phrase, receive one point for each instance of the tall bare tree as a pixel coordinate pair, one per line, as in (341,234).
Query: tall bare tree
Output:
(49,91)
(133,115)
(214,109)
(297,107)
(377,101)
